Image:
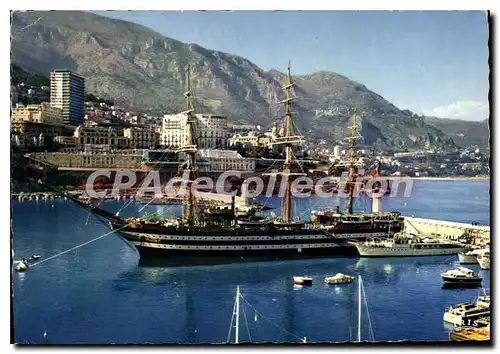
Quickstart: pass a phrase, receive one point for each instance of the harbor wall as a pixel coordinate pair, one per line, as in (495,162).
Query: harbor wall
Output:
(448,229)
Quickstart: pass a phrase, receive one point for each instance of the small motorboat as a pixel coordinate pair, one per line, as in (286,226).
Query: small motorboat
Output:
(339,278)
(461,277)
(302,281)
(21,266)
(34,257)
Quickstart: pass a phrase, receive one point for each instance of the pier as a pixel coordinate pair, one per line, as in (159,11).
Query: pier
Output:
(448,229)
(35,196)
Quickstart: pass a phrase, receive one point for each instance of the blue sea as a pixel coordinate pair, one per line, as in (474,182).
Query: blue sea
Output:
(98,294)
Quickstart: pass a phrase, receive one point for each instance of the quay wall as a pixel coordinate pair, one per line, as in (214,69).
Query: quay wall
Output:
(449,229)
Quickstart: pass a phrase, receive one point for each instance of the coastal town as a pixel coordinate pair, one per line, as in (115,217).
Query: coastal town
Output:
(166,193)
(61,125)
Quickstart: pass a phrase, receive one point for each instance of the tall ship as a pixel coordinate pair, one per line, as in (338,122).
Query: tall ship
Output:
(359,225)
(210,235)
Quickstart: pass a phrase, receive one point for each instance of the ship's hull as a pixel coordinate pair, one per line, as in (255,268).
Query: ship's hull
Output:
(461,282)
(366,251)
(466,320)
(484,263)
(467,259)
(151,255)
(181,248)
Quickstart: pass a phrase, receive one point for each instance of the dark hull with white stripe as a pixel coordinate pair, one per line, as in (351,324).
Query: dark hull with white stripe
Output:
(154,256)
(450,282)
(175,247)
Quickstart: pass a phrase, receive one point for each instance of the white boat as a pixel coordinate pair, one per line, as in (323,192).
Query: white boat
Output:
(403,245)
(21,266)
(484,260)
(483,301)
(302,280)
(461,276)
(468,313)
(34,257)
(469,257)
(339,278)
(361,295)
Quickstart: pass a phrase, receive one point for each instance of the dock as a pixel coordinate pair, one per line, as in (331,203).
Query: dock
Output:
(35,196)
(479,234)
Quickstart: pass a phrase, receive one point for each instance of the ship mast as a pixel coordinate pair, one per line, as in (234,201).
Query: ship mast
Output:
(353,160)
(189,149)
(289,141)
(287,198)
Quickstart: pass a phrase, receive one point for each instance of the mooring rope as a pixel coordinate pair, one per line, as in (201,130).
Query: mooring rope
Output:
(124,206)
(87,242)
(146,205)
(368,313)
(449,258)
(246,322)
(76,247)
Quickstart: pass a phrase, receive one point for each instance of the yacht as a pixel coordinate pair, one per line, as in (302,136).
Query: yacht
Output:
(407,245)
(484,260)
(461,276)
(469,257)
(467,314)
(339,278)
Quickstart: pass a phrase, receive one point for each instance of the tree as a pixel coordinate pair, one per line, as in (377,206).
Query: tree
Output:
(90,98)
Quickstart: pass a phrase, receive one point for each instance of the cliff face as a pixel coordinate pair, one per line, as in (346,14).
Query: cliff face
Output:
(464,133)
(142,69)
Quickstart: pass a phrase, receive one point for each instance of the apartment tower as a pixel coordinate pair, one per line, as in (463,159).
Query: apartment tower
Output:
(67,92)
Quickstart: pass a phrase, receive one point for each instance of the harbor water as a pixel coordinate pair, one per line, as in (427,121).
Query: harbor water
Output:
(98,294)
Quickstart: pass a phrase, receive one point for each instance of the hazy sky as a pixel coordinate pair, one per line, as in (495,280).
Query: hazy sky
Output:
(430,62)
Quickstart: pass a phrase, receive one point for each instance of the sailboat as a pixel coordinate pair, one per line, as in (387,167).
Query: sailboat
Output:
(356,225)
(235,318)
(202,237)
(362,295)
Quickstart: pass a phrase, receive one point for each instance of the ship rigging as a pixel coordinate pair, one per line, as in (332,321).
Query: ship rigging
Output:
(207,235)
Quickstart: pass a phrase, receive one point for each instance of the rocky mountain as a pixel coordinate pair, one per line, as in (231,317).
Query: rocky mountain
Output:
(464,133)
(142,69)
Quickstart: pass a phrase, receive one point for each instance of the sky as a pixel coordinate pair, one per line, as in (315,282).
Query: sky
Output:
(435,63)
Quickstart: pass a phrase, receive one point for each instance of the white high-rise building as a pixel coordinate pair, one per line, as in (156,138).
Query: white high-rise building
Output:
(337,152)
(211,131)
(67,92)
